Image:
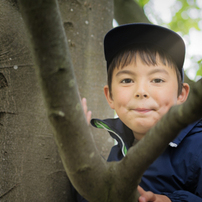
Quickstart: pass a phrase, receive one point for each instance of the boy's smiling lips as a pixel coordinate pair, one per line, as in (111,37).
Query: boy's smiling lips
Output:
(143,110)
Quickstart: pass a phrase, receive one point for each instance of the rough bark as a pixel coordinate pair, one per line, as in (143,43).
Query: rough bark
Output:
(90,174)
(30,166)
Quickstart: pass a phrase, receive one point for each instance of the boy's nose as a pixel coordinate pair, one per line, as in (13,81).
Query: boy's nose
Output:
(142,95)
(141,92)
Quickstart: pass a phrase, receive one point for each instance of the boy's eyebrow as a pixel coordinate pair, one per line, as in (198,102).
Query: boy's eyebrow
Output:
(125,72)
(133,73)
(157,71)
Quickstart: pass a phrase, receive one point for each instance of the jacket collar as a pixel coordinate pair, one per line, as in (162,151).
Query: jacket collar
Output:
(118,130)
(124,136)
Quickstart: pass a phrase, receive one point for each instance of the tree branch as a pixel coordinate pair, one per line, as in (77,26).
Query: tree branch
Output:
(128,11)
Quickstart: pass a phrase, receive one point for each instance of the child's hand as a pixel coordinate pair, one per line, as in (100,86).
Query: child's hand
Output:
(148,196)
(85,109)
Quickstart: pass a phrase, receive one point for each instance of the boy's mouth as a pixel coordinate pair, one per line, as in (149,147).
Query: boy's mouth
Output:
(142,110)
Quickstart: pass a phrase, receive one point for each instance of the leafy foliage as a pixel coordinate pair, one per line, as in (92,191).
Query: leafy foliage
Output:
(186,17)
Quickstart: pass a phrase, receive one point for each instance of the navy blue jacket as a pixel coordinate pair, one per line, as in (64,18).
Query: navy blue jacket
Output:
(177,173)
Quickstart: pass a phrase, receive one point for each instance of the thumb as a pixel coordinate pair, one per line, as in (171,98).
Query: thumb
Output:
(141,192)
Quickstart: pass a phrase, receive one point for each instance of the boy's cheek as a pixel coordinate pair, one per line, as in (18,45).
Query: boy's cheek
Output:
(121,100)
(165,108)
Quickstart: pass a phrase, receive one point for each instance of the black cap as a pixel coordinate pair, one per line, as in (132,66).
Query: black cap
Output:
(141,33)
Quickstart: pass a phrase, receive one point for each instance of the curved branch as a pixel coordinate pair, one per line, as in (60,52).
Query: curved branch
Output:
(128,11)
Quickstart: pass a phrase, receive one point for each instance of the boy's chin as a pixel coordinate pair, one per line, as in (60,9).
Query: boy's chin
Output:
(140,132)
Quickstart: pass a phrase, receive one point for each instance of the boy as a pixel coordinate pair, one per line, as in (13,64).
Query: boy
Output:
(145,78)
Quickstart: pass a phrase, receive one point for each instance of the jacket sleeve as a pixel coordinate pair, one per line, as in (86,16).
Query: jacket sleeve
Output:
(181,195)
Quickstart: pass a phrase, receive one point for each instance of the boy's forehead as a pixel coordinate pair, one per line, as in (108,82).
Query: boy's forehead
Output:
(140,63)
(148,69)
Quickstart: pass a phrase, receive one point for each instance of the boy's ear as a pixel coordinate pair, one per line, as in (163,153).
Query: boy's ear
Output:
(184,94)
(108,96)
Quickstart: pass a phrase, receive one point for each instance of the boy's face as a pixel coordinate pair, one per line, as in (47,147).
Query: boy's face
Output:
(142,94)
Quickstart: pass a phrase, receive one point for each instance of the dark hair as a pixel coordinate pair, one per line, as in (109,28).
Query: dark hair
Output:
(148,55)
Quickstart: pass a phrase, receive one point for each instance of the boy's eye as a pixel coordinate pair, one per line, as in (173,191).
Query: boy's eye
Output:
(157,81)
(127,81)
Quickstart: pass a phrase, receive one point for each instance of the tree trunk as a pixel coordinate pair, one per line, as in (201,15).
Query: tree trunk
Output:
(30,167)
